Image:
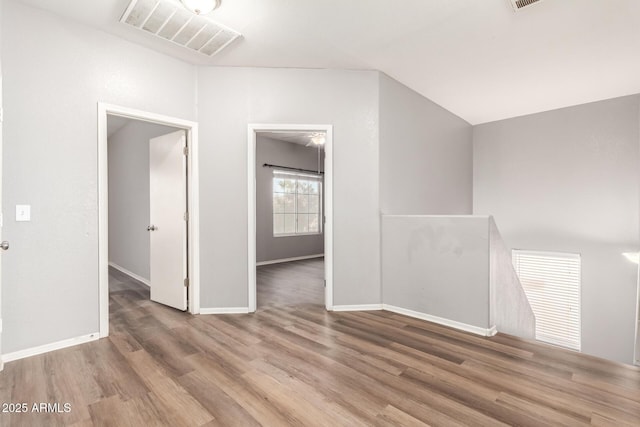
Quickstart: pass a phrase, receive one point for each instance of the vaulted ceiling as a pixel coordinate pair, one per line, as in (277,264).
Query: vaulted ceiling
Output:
(477,58)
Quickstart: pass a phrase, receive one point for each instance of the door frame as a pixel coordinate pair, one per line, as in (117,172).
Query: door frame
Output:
(193,204)
(636,342)
(253,130)
(1,216)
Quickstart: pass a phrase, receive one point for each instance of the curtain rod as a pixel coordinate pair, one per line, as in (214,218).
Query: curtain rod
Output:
(267,165)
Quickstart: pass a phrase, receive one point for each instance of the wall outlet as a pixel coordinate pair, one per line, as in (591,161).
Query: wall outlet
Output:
(23,212)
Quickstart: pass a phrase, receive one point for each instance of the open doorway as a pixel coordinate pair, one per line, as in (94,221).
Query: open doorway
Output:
(147,201)
(148,216)
(289,229)
(290,215)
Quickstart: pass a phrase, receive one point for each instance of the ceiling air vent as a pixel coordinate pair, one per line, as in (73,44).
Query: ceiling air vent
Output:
(169,20)
(521,4)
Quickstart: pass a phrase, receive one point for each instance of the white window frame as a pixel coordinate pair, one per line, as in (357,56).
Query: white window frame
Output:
(299,176)
(540,266)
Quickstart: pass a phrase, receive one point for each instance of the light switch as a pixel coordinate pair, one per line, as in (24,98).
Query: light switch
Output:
(23,212)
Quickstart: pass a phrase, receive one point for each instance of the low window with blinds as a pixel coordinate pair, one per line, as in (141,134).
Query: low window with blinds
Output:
(551,282)
(297,204)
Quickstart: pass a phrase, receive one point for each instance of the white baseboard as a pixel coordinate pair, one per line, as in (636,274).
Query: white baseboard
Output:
(21,354)
(422,316)
(485,332)
(130,274)
(361,307)
(298,258)
(225,310)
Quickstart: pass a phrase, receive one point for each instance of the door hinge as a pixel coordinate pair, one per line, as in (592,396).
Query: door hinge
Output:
(186,282)
(185,150)
(325,283)
(186,216)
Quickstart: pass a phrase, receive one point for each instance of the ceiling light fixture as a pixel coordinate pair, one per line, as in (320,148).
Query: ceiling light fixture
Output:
(634,257)
(201,7)
(318,139)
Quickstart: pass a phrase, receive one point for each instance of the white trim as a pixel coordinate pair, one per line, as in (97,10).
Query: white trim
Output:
(130,274)
(485,332)
(636,343)
(34,351)
(251,203)
(297,258)
(360,307)
(435,216)
(103,199)
(1,216)
(328,220)
(225,310)
(251,219)
(194,219)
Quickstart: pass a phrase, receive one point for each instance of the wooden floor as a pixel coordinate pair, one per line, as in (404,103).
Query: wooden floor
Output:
(292,363)
(293,285)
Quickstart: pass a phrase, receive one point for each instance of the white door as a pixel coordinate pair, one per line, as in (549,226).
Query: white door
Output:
(168,225)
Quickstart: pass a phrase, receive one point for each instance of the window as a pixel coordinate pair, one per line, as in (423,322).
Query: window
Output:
(551,282)
(297,207)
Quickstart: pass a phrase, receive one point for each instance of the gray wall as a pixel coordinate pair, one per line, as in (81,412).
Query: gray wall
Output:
(58,300)
(510,310)
(425,155)
(520,170)
(271,151)
(568,180)
(129,195)
(50,275)
(437,265)
(228,99)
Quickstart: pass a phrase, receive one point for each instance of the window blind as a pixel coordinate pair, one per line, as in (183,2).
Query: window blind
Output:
(297,203)
(294,175)
(551,282)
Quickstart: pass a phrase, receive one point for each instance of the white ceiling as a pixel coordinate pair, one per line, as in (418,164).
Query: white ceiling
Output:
(295,137)
(478,59)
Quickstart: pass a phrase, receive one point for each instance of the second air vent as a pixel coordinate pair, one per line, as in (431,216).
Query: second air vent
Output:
(168,20)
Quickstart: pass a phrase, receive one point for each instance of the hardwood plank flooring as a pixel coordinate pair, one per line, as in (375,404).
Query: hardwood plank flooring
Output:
(293,363)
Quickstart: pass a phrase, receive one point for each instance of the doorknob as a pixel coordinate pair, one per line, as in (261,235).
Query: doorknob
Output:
(152,228)
(4,245)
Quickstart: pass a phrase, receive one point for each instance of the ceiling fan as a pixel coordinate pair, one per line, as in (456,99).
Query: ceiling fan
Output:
(317,138)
